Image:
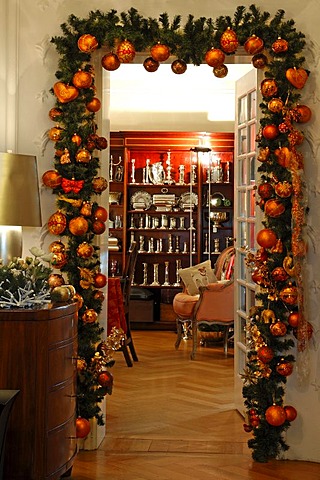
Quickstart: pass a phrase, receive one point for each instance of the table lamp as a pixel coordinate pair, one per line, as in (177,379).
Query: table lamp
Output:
(19,201)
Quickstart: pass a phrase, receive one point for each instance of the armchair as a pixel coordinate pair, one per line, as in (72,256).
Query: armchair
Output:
(213,304)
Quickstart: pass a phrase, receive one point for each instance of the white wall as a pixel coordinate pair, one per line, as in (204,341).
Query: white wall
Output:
(28,65)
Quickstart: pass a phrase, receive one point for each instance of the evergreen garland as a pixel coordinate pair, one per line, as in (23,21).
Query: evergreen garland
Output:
(263,384)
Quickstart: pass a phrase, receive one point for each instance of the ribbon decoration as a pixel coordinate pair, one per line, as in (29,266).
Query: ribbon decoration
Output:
(71,185)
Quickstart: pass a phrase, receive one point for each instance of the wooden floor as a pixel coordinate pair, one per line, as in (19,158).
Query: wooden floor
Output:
(170,418)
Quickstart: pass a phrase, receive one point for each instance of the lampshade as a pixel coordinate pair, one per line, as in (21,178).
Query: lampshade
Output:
(19,191)
(19,201)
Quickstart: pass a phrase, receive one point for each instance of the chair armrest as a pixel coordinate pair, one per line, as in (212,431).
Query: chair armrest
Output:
(216,302)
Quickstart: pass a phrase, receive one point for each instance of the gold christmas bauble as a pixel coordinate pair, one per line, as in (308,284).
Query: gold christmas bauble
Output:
(83,156)
(55,113)
(221,71)
(126,51)
(51,179)
(55,133)
(284,189)
(269,87)
(85,250)
(55,280)
(278,329)
(229,41)
(99,184)
(253,45)
(78,226)
(289,295)
(76,139)
(274,208)
(90,316)
(275,105)
(57,247)
(58,259)
(280,45)
(57,223)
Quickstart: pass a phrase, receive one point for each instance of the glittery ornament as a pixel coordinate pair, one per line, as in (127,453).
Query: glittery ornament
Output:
(126,51)
(229,41)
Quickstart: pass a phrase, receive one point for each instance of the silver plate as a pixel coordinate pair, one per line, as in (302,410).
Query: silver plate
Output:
(142,198)
(188,200)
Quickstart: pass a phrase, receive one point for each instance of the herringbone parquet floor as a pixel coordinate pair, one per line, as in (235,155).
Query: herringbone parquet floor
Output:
(170,418)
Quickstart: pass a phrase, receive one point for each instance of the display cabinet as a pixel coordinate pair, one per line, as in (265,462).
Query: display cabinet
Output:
(171,192)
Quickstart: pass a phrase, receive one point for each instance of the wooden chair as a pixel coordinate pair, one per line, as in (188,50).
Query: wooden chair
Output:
(126,282)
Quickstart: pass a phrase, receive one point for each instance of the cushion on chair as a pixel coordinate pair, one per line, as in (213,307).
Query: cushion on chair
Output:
(197,276)
(183,304)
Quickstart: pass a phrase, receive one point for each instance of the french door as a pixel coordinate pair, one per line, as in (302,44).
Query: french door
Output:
(245,219)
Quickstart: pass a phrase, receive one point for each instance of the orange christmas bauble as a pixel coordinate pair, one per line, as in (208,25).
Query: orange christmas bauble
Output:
(94,105)
(279,274)
(85,250)
(303,113)
(90,316)
(274,208)
(105,379)
(293,319)
(253,45)
(99,184)
(76,139)
(78,226)
(266,238)
(269,87)
(101,143)
(87,43)
(99,296)
(284,189)
(98,227)
(275,105)
(126,51)
(82,427)
(270,132)
(110,62)
(57,247)
(51,179)
(58,259)
(57,223)
(55,113)
(83,156)
(278,329)
(150,64)
(280,46)
(275,415)
(291,413)
(100,213)
(82,79)
(285,369)
(229,41)
(214,57)
(65,93)
(100,280)
(265,354)
(265,190)
(160,52)
(179,66)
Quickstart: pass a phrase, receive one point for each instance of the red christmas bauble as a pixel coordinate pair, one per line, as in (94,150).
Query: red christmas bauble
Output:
(303,113)
(265,354)
(293,319)
(82,79)
(52,179)
(55,280)
(57,223)
(265,190)
(150,64)
(78,226)
(100,280)
(279,274)
(266,238)
(160,52)
(278,329)
(100,213)
(87,43)
(105,379)
(275,415)
(221,71)
(214,57)
(179,67)
(99,296)
(101,143)
(55,113)
(82,427)
(90,316)
(253,45)
(280,46)
(274,208)
(126,51)
(94,105)
(259,60)
(99,184)
(270,132)
(110,62)
(229,41)
(284,368)
(269,87)
(98,227)
(291,413)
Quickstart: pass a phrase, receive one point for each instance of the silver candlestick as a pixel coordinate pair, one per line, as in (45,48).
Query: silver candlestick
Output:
(181,175)
(177,244)
(178,266)
(206,243)
(166,274)
(185,247)
(141,244)
(145,274)
(181,226)
(168,180)
(193,175)
(194,242)
(155,222)
(151,245)
(155,282)
(216,242)
(164,221)
(173,223)
(133,170)
(159,245)
(146,178)
(227,172)
(170,248)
